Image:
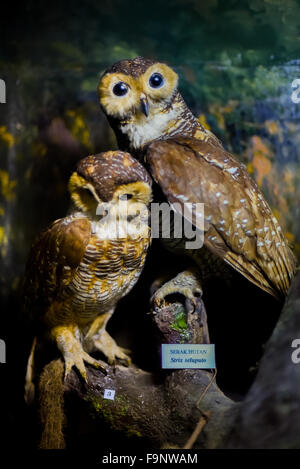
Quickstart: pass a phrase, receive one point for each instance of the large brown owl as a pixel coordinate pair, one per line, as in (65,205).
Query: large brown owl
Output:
(151,120)
(83,264)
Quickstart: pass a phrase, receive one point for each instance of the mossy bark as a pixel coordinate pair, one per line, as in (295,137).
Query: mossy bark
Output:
(164,407)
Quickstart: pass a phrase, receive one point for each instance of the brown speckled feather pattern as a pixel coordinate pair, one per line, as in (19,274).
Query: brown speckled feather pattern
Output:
(134,67)
(239,225)
(190,165)
(72,276)
(107,171)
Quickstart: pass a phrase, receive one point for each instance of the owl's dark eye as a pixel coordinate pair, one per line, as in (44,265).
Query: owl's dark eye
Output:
(156,80)
(125,196)
(120,89)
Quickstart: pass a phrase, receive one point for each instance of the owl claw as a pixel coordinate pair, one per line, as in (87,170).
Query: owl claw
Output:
(73,352)
(69,363)
(78,360)
(185,283)
(106,344)
(158,299)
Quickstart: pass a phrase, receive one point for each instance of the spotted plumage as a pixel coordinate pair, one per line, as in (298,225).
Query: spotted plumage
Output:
(83,264)
(190,165)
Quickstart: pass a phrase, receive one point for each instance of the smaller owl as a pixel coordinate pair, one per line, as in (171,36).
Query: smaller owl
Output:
(83,264)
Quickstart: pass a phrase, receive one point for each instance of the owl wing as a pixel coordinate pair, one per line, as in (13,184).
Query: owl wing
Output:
(238,223)
(52,262)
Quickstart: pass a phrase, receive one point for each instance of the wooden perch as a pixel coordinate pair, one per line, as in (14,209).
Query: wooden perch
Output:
(163,407)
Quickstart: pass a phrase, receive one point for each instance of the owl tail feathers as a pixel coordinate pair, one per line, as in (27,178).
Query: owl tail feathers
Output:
(51,399)
(51,392)
(29,384)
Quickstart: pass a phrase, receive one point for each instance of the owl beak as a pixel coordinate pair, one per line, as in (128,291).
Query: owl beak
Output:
(103,209)
(145,105)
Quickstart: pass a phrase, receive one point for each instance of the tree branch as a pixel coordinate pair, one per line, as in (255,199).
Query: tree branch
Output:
(163,406)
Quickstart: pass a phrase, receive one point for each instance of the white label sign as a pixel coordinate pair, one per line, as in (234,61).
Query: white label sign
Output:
(188,356)
(109,394)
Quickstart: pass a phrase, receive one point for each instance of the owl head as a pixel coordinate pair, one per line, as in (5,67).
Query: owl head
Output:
(113,180)
(138,87)
(137,96)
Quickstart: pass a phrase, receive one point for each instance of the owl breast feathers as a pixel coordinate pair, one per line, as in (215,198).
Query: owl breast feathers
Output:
(73,275)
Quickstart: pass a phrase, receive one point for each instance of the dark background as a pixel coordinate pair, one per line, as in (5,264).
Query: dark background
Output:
(236,61)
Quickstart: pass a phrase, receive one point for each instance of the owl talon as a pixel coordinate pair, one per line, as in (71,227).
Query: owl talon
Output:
(157,301)
(185,283)
(73,352)
(106,344)
(78,360)
(69,363)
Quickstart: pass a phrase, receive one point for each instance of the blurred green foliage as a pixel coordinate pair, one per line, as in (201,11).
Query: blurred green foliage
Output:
(241,37)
